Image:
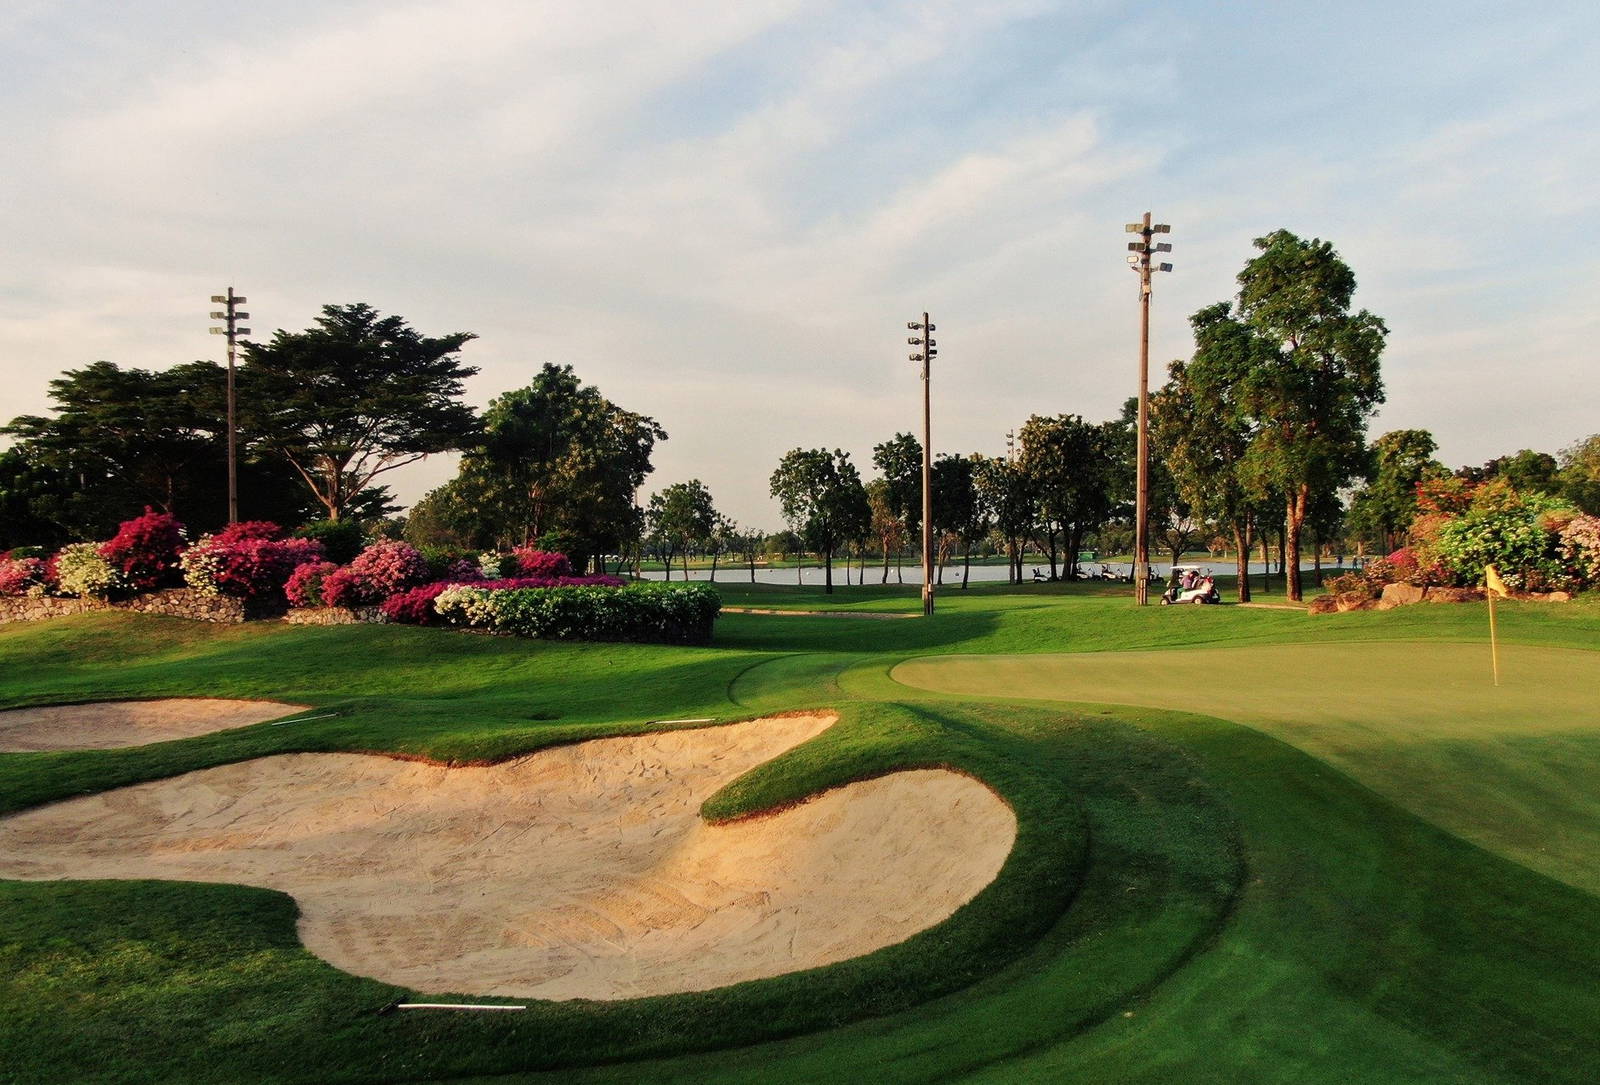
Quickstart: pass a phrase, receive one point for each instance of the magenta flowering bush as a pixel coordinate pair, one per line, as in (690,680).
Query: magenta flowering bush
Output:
(21,576)
(304,586)
(249,563)
(387,567)
(146,549)
(541,563)
(341,588)
(415,607)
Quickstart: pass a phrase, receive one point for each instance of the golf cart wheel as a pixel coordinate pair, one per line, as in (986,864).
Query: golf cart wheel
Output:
(1199,600)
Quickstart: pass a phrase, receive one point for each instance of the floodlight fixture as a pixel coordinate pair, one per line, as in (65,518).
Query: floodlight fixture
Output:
(1161,228)
(1134,227)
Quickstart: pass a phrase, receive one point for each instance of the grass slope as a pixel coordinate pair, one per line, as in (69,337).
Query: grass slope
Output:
(1190,899)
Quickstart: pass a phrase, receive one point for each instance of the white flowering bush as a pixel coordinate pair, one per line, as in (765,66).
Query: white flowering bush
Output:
(476,608)
(202,566)
(82,571)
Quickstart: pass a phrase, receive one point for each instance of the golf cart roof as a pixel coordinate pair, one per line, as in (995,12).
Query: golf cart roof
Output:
(1189,568)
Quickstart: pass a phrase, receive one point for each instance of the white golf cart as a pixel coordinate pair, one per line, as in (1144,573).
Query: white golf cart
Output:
(1190,584)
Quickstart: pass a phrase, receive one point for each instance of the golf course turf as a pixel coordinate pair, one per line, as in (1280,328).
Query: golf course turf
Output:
(1251,845)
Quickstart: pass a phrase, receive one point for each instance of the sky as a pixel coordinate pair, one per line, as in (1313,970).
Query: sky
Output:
(724,214)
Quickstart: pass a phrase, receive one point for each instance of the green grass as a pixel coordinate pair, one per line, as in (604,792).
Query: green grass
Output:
(1283,888)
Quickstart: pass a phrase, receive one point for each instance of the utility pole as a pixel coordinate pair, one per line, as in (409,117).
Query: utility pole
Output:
(231,316)
(1139,259)
(926,355)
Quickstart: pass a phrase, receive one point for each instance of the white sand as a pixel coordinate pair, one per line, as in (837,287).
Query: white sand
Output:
(114,724)
(582,871)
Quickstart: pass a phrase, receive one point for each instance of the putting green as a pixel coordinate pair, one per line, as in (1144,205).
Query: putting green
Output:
(1514,768)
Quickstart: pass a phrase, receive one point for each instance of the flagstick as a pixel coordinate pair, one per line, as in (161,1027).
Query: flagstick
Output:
(1494,640)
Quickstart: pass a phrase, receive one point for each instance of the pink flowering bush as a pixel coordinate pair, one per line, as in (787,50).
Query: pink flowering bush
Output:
(146,549)
(387,567)
(250,564)
(21,576)
(541,563)
(304,586)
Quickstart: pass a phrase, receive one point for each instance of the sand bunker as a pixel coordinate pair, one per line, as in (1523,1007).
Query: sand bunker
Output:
(114,724)
(582,871)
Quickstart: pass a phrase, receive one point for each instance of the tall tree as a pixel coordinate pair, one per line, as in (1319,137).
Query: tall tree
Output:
(355,396)
(1399,460)
(823,499)
(558,459)
(888,527)
(958,511)
(1071,466)
(899,461)
(1312,402)
(1202,430)
(1580,474)
(680,517)
(1010,503)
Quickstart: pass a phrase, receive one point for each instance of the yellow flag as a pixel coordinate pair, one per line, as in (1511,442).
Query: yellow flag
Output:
(1491,579)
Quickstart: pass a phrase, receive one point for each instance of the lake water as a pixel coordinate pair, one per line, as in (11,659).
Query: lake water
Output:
(812,575)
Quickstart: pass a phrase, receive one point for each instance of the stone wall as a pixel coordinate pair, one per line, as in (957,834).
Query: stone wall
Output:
(174,602)
(333,615)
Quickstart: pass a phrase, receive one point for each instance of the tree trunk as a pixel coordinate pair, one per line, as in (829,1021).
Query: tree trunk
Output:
(714,556)
(1241,557)
(886,563)
(1295,517)
(966,563)
(752,568)
(827,567)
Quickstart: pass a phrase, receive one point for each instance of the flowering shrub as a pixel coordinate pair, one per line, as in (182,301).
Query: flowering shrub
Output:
(341,588)
(1580,547)
(81,570)
(145,550)
(248,529)
(1348,583)
(249,564)
(21,576)
(387,567)
(666,614)
(415,607)
(304,586)
(543,563)
(1509,535)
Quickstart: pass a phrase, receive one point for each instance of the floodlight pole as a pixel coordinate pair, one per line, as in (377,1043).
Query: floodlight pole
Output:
(929,350)
(1139,259)
(231,317)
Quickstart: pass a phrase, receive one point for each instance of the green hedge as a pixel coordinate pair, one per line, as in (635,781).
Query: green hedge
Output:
(646,613)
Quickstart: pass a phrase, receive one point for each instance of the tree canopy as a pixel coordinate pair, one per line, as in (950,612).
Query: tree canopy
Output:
(680,517)
(822,499)
(355,396)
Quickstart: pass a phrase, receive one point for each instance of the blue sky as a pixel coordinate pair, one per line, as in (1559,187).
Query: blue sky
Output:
(724,214)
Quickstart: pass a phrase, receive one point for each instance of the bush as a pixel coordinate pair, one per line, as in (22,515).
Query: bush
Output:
(304,586)
(341,539)
(1580,548)
(1350,584)
(246,530)
(385,568)
(1508,534)
(81,570)
(541,563)
(341,588)
(415,607)
(145,551)
(448,563)
(652,613)
(247,564)
(21,575)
